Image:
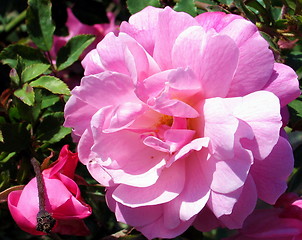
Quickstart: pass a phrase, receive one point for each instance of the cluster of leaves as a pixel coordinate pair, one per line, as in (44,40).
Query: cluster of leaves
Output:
(32,95)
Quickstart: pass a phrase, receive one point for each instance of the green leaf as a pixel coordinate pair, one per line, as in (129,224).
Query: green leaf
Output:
(63,132)
(281,23)
(250,15)
(20,65)
(50,100)
(52,84)
(271,42)
(68,54)
(51,130)
(291,4)
(5,157)
(29,55)
(262,11)
(4,179)
(39,23)
(26,94)
(32,71)
(135,6)
(187,6)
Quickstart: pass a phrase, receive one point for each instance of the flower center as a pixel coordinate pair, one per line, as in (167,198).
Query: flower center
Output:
(166,120)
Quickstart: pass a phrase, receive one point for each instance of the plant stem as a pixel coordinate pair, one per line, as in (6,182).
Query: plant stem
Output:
(45,222)
(15,22)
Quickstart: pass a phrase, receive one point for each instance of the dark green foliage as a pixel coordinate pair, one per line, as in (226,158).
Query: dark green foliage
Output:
(39,23)
(135,6)
(68,54)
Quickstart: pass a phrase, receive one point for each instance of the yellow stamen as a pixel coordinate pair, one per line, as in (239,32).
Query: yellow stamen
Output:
(166,120)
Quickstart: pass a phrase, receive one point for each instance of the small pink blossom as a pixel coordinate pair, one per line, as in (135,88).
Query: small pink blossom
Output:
(75,27)
(63,199)
(72,75)
(283,222)
(179,117)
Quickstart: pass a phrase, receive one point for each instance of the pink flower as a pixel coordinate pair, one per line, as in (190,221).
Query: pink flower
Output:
(75,27)
(283,223)
(72,75)
(63,199)
(180,118)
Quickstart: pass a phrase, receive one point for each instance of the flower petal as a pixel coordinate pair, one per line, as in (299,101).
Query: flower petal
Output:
(92,63)
(264,119)
(244,206)
(255,66)
(212,57)
(283,76)
(123,116)
(164,190)
(171,25)
(215,20)
(25,222)
(112,89)
(78,114)
(271,181)
(253,51)
(128,58)
(219,125)
(124,154)
(138,216)
(156,229)
(195,194)
(230,174)
(141,30)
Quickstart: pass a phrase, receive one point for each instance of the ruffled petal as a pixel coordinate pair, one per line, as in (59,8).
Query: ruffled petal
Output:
(232,171)
(128,58)
(212,57)
(216,20)
(112,89)
(164,190)
(261,111)
(283,76)
(142,30)
(156,229)
(194,196)
(124,151)
(255,66)
(206,220)
(219,125)
(167,92)
(253,51)
(138,216)
(243,207)
(78,114)
(92,63)
(25,222)
(270,175)
(196,144)
(267,224)
(171,25)
(123,116)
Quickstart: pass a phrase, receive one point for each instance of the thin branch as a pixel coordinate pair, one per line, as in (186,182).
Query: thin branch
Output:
(45,222)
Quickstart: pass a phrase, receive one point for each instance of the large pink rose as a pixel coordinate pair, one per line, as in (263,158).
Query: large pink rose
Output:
(281,223)
(63,199)
(179,117)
